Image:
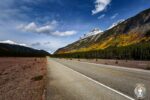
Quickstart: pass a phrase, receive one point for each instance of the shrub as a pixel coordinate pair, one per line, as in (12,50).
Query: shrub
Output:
(37,78)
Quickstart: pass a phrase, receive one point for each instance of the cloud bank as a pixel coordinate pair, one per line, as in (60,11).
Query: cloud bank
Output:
(49,29)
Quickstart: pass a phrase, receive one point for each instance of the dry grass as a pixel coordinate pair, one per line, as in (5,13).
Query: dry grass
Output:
(22,78)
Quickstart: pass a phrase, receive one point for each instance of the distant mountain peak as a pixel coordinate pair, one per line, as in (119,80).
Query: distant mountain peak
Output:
(12,42)
(94,31)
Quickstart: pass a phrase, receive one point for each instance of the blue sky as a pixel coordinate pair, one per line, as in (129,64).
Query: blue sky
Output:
(51,24)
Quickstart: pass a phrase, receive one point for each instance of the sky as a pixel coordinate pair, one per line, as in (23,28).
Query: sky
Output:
(52,24)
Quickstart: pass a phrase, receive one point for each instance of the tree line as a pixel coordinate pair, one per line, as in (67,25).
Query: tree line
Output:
(140,51)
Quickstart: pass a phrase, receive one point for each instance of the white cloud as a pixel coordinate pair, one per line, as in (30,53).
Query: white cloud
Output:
(100,5)
(115,24)
(33,27)
(102,16)
(30,27)
(45,29)
(49,29)
(114,16)
(65,33)
(12,42)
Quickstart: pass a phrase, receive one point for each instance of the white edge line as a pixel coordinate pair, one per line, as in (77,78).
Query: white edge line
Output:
(126,96)
(103,85)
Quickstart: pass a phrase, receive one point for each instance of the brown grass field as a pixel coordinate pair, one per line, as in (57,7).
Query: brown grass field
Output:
(22,78)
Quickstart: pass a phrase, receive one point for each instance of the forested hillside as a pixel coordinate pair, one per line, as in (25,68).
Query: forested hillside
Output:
(10,50)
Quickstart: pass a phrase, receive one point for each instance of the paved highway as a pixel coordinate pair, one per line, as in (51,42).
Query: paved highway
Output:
(74,80)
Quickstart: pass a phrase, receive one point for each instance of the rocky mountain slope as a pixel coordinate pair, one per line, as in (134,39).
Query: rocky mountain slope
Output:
(131,31)
(12,50)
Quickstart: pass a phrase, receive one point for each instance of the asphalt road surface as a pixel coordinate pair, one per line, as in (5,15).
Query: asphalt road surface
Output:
(75,80)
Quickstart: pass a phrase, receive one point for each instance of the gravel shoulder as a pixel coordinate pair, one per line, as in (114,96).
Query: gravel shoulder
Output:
(121,63)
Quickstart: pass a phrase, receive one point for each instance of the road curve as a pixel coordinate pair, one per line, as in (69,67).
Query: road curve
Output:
(74,80)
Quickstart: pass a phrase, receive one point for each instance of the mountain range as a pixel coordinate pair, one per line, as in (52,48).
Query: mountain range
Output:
(15,50)
(132,31)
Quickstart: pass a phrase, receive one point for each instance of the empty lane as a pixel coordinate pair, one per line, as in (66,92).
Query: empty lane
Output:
(68,84)
(120,79)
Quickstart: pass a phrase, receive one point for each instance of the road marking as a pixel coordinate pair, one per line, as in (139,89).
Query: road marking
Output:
(124,95)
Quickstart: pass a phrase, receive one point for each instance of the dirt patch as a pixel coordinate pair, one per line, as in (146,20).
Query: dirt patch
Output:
(22,78)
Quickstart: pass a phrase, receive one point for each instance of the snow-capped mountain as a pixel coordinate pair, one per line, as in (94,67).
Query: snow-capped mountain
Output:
(93,32)
(132,31)
(12,42)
